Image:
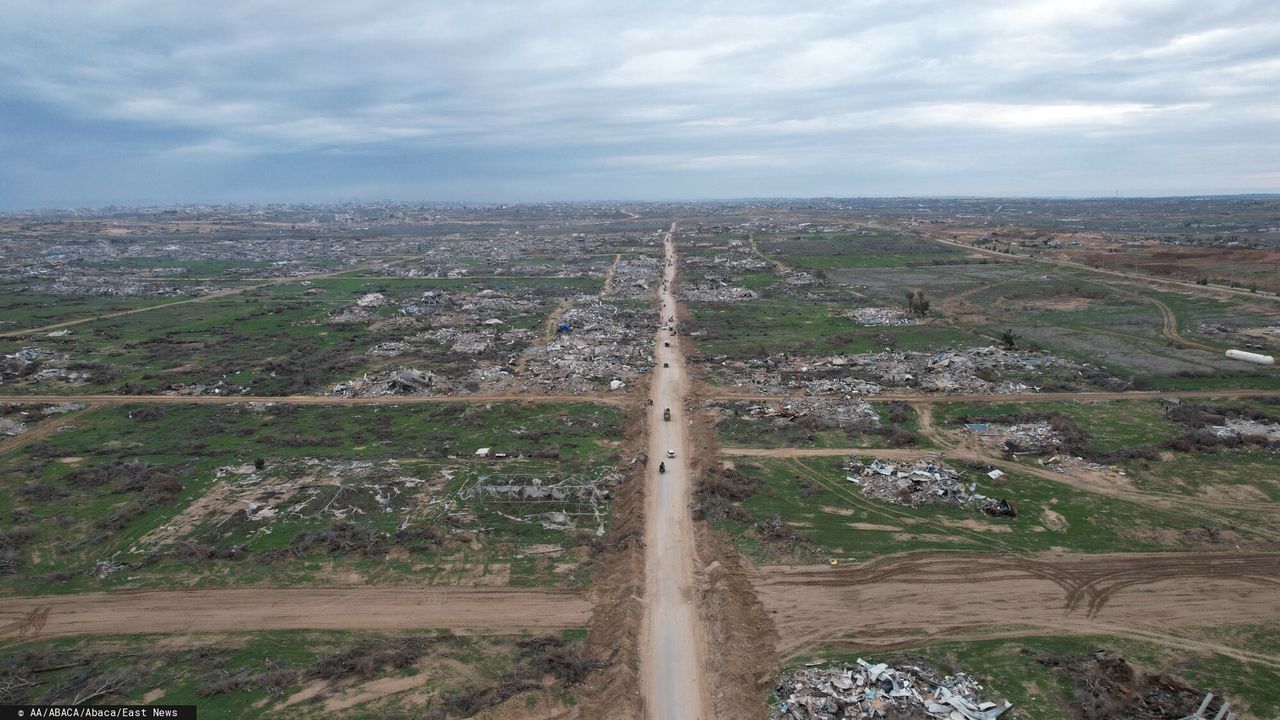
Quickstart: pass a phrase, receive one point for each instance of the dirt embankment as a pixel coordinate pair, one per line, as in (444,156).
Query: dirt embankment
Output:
(617,592)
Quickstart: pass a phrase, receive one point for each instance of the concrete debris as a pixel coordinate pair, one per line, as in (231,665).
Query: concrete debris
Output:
(62,408)
(881,316)
(634,278)
(1242,428)
(391,348)
(1033,438)
(852,414)
(553,505)
(11,428)
(715,291)
(864,690)
(975,370)
(605,342)
(404,381)
(922,482)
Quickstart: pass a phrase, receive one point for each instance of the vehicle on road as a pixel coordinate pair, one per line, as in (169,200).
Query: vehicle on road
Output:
(666,413)
(662,467)
(666,364)
(671,453)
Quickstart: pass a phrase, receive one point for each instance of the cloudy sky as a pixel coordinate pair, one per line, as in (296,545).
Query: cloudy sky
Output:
(142,101)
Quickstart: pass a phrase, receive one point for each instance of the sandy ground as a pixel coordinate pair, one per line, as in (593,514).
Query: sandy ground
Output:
(237,609)
(672,659)
(906,600)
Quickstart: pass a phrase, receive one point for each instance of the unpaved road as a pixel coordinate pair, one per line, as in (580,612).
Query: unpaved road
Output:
(248,609)
(909,600)
(672,641)
(613,399)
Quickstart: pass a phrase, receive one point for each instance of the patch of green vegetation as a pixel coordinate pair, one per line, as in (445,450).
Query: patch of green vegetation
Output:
(829,252)
(837,520)
(797,326)
(265,673)
(93,494)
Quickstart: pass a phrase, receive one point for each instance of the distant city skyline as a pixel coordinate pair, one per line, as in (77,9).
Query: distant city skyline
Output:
(137,103)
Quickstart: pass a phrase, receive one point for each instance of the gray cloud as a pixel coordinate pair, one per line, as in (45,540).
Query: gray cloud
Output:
(141,101)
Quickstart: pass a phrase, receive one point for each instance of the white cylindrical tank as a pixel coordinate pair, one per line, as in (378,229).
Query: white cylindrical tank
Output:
(1251,357)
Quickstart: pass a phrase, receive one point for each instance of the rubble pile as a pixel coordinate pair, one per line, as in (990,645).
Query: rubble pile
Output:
(37,365)
(634,278)
(402,381)
(922,482)
(865,690)
(881,316)
(10,427)
(1033,438)
(603,343)
(736,258)
(1240,428)
(553,504)
(974,370)
(716,291)
(846,415)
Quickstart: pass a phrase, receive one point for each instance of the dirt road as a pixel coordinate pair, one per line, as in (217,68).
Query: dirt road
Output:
(240,609)
(1156,597)
(610,399)
(672,643)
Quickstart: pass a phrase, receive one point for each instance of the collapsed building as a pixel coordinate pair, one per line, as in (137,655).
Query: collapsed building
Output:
(985,370)
(923,482)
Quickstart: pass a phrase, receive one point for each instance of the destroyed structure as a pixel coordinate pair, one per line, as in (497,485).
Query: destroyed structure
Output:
(923,482)
(986,370)
(881,316)
(864,690)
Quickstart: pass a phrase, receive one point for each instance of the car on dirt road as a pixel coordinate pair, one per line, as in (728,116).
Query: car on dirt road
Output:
(671,453)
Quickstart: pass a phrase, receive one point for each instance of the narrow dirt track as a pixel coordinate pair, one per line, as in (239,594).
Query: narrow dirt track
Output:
(672,641)
(242,609)
(614,399)
(1159,597)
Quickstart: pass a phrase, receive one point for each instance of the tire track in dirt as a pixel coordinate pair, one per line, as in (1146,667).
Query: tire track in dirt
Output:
(954,595)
